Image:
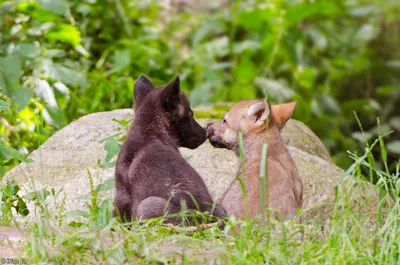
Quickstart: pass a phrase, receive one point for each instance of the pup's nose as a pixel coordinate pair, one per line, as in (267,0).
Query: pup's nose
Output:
(209,130)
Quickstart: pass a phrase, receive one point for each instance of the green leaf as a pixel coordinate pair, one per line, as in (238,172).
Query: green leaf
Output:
(304,10)
(240,92)
(12,188)
(29,50)
(122,59)
(21,207)
(65,33)
(45,15)
(254,19)
(4,105)
(306,77)
(123,122)
(56,6)
(218,47)
(109,184)
(208,28)
(104,213)
(9,153)
(11,70)
(58,116)
(245,71)
(39,195)
(69,76)
(77,213)
(240,47)
(384,90)
(275,89)
(75,224)
(21,97)
(112,148)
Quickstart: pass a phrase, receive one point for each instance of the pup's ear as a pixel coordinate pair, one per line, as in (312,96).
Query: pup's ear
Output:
(141,88)
(282,113)
(171,93)
(257,112)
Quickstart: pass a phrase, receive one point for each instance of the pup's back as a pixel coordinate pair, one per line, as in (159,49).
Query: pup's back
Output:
(151,176)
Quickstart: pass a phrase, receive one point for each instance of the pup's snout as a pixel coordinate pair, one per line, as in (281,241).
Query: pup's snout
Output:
(209,129)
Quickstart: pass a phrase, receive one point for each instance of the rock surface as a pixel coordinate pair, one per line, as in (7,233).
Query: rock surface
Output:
(70,155)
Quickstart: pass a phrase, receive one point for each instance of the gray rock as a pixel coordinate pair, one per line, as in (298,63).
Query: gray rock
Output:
(70,155)
(297,134)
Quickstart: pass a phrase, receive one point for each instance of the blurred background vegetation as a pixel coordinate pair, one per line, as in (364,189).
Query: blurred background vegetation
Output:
(60,60)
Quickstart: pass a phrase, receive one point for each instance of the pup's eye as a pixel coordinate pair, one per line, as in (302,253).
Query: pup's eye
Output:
(223,120)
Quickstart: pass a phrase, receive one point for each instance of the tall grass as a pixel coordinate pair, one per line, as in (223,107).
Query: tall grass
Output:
(361,229)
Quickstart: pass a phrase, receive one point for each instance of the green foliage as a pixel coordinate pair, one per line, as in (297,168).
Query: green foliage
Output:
(9,200)
(62,59)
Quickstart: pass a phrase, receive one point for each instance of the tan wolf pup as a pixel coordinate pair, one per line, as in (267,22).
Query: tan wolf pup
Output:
(284,183)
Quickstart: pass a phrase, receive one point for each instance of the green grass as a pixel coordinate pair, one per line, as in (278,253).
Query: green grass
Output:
(359,230)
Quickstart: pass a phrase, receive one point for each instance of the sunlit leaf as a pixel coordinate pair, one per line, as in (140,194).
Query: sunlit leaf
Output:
(45,15)
(65,33)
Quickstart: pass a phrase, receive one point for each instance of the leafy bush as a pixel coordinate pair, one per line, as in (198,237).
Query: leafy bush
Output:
(62,59)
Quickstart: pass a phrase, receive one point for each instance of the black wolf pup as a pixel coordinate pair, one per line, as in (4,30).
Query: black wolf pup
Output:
(151,176)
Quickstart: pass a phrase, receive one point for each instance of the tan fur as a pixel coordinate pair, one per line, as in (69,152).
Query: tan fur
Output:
(285,185)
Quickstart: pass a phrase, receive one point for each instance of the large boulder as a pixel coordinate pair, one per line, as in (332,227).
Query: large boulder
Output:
(67,159)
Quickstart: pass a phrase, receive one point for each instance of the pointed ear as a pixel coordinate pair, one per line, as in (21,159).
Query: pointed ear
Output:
(141,88)
(282,113)
(257,112)
(171,93)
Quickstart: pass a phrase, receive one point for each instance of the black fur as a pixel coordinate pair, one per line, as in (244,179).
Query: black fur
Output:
(152,178)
